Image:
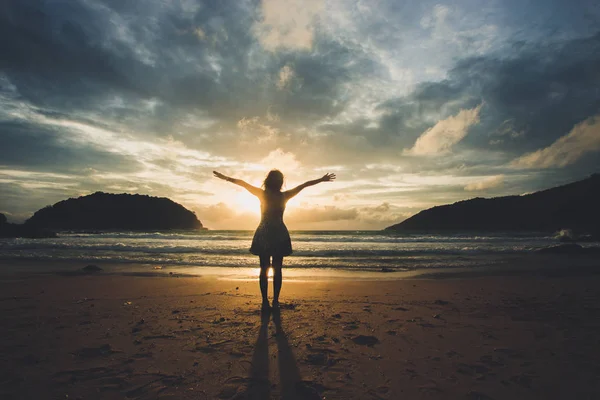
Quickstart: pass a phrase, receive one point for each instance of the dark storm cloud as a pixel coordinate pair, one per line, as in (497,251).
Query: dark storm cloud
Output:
(29,146)
(531,97)
(111,58)
(75,55)
(57,54)
(543,92)
(318,85)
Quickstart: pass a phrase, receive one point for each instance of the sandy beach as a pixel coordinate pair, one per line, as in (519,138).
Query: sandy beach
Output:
(137,337)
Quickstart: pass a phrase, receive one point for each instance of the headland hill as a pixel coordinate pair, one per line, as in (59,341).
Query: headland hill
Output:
(104,212)
(574,206)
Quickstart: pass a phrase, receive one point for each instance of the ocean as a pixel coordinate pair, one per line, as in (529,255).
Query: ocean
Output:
(333,250)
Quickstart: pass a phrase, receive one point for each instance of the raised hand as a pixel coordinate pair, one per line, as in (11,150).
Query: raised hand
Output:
(328,178)
(220,176)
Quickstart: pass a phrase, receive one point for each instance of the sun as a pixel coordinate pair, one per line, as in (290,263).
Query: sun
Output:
(244,202)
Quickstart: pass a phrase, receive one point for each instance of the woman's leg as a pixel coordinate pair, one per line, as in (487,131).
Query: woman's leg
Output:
(263,280)
(277,263)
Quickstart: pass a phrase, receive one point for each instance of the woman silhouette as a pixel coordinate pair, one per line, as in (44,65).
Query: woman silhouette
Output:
(272,239)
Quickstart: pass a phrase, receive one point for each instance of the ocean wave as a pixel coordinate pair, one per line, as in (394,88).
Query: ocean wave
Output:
(360,249)
(160,248)
(309,236)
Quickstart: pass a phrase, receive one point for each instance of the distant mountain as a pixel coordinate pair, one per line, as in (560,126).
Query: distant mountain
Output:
(574,206)
(105,211)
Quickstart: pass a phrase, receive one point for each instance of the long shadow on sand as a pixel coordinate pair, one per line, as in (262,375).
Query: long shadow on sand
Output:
(292,386)
(260,386)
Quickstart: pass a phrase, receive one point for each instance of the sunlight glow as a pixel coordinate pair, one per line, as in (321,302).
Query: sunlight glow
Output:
(269,272)
(244,202)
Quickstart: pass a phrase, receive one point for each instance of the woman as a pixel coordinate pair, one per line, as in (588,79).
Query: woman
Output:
(272,239)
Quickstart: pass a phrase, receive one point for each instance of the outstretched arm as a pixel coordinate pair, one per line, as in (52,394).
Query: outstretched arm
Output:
(252,189)
(325,178)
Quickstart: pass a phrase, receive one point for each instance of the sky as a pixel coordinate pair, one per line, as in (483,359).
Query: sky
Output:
(411,104)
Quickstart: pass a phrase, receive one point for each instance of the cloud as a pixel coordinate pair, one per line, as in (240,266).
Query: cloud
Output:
(254,131)
(222,216)
(366,217)
(288,24)
(31,145)
(279,159)
(320,214)
(448,30)
(200,34)
(446,133)
(286,74)
(487,183)
(382,215)
(584,138)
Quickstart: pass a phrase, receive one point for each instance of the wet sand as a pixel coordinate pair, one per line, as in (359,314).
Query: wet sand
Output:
(130,337)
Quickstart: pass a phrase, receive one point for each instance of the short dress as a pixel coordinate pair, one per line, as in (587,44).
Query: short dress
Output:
(272,237)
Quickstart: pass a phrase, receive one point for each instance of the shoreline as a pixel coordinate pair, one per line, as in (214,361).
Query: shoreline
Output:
(523,265)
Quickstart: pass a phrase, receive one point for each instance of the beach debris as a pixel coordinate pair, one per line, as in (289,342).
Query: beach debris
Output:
(337,316)
(175,312)
(157,267)
(441,302)
(91,268)
(127,303)
(365,340)
(436,316)
(386,269)
(237,288)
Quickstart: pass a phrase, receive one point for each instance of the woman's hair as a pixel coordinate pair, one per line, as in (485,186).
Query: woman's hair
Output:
(273,181)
